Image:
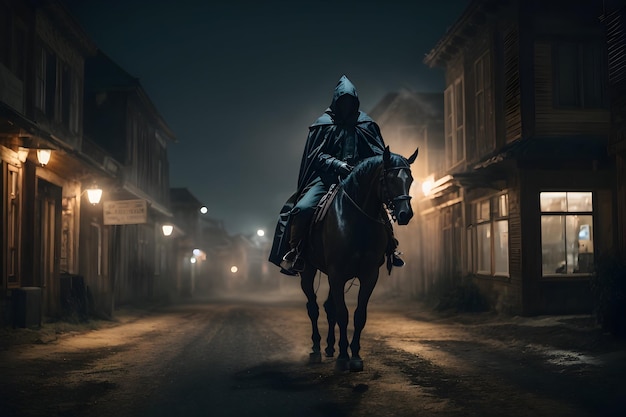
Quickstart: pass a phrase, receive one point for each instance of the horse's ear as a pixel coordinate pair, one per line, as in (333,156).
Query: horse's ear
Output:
(386,155)
(413,157)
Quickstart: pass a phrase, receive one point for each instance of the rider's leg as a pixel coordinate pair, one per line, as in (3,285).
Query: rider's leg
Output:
(300,220)
(392,250)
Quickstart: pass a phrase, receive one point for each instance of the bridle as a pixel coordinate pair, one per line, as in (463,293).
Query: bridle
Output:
(388,201)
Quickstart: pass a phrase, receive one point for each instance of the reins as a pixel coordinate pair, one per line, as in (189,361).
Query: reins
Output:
(388,201)
(355,204)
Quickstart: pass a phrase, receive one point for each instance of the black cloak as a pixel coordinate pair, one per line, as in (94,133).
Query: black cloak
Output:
(339,135)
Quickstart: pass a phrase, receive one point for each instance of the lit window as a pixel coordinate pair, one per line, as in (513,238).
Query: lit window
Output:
(489,237)
(566,233)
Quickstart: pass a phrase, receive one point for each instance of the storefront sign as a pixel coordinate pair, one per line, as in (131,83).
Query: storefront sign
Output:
(125,212)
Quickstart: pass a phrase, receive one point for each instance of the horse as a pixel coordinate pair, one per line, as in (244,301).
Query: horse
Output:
(350,242)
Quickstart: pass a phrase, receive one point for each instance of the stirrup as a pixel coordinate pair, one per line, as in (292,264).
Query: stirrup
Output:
(292,263)
(396,260)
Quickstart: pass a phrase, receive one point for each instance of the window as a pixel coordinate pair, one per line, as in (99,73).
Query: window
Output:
(482,81)
(65,94)
(566,233)
(50,85)
(5,34)
(45,82)
(13,42)
(489,237)
(12,229)
(40,79)
(455,123)
(579,75)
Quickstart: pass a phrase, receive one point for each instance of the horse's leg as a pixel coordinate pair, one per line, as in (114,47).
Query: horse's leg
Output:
(341,311)
(307,278)
(329,306)
(367,284)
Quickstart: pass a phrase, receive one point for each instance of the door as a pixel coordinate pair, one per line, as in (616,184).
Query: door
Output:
(47,246)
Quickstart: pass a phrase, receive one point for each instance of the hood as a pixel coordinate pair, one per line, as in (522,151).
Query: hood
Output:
(345,105)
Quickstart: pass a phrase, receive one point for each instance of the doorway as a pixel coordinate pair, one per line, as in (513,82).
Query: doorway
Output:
(48,238)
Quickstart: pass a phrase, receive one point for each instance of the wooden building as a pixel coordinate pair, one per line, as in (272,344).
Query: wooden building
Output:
(528,188)
(121,120)
(43,169)
(410,120)
(614,17)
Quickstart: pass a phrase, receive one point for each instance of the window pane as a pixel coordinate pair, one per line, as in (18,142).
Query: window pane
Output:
(484,248)
(501,247)
(470,250)
(580,243)
(579,202)
(483,210)
(553,201)
(458,108)
(553,257)
(503,205)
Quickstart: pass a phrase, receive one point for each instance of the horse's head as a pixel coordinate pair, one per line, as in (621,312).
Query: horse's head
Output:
(397,181)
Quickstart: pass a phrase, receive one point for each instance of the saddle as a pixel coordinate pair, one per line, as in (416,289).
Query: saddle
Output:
(324,204)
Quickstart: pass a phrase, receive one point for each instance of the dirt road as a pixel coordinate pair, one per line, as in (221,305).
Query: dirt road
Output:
(233,358)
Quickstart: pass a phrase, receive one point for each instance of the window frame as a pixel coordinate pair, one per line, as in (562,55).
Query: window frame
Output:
(485,139)
(488,212)
(566,213)
(454,107)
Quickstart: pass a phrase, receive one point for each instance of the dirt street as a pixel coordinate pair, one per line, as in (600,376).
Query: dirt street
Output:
(242,358)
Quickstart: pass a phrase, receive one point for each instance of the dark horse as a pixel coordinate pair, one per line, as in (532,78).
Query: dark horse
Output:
(351,242)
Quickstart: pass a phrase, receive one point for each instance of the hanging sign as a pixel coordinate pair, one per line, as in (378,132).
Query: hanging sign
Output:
(125,212)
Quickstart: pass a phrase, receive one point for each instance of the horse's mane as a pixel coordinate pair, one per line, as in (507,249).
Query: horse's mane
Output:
(367,165)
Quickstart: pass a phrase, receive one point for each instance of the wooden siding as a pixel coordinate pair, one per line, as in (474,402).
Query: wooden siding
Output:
(550,121)
(512,93)
(616,39)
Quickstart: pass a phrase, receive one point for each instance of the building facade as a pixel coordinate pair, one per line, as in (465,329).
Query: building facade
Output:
(44,173)
(59,253)
(121,120)
(528,189)
(410,120)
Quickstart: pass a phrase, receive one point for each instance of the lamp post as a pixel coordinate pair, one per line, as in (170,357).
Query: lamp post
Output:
(167,229)
(94,194)
(43,156)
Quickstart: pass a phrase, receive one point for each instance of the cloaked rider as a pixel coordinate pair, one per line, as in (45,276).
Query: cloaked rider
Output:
(337,141)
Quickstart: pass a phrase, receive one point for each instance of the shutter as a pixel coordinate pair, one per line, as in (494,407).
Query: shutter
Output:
(512,96)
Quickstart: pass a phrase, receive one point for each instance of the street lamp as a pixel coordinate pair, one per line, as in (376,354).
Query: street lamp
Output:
(167,229)
(204,210)
(94,194)
(43,156)
(260,233)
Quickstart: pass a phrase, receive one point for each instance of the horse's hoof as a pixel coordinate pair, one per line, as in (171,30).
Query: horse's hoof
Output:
(329,352)
(342,364)
(356,365)
(315,357)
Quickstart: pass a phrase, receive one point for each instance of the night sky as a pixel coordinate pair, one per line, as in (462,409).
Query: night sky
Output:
(239,82)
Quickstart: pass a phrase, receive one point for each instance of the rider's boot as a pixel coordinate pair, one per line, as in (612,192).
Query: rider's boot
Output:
(395,253)
(293,262)
(396,260)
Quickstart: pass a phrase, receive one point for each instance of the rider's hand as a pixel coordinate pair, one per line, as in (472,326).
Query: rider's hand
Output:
(344,169)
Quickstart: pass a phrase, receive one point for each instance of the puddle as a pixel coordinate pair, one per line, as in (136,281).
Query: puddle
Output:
(562,357)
